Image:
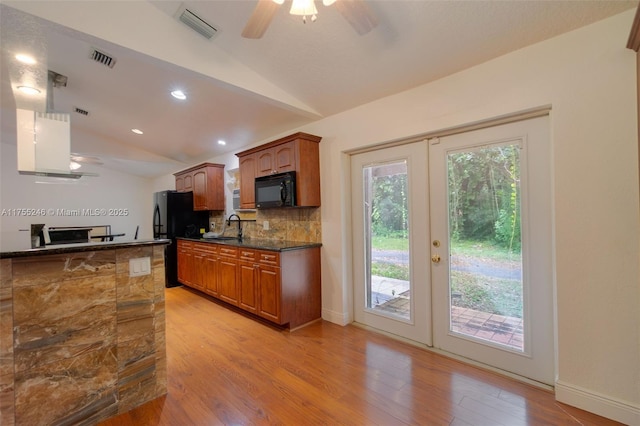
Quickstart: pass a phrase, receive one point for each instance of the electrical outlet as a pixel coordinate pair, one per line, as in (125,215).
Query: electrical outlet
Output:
(212,226)
(265,225)
(139,266)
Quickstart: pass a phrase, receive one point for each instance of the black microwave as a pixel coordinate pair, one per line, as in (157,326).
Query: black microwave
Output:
(276,190)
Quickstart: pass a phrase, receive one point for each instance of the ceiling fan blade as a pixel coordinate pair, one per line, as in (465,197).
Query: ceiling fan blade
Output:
(260,19)
(359,15)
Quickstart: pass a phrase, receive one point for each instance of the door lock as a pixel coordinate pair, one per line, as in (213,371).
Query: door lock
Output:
(435,258)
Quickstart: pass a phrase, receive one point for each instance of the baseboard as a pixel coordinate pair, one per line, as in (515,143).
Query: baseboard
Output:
(340,318)
(599,404)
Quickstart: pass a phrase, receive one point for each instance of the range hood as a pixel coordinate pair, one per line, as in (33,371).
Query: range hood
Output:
(44,139)
(44,144)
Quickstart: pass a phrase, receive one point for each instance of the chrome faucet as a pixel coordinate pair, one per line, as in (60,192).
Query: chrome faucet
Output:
(239,224)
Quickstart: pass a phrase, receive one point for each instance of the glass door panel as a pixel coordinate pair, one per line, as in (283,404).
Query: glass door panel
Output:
(485,268)
(387,239)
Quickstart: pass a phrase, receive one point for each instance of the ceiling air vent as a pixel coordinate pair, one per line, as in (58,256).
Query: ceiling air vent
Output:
(81,111)
(102,58)
(196,23)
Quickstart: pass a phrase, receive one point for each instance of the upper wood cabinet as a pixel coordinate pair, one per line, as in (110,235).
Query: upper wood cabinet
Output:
(279,159)
(248,169)
(207,183)
(298,152)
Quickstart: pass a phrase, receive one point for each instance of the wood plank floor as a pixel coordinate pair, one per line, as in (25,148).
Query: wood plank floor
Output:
(227,369)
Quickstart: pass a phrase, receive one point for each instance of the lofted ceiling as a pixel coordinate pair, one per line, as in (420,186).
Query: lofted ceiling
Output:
(246,90)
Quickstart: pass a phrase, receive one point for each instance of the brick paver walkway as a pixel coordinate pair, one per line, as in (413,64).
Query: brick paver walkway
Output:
(494,328)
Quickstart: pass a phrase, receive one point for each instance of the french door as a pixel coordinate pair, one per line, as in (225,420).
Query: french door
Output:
(479,245)
(393,290)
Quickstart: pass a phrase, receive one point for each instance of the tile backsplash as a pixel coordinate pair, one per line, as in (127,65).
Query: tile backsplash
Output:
(287,224)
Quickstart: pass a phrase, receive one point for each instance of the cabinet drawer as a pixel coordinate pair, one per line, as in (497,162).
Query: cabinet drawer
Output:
(269,258)
(185,245)
(228,251)
(205,248)
(247,254)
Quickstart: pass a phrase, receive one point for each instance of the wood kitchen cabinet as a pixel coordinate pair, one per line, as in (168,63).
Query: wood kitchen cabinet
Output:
(248,281)
(228,274)
(253,279)
(298,152)
(207,183)
(278,159)
(185,262)
(248,168)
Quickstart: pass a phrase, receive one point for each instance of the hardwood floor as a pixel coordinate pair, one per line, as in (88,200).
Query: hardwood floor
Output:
(227,369)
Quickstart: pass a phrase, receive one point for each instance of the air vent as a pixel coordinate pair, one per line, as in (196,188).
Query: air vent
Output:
(81,111)
(102,58)
(197,24)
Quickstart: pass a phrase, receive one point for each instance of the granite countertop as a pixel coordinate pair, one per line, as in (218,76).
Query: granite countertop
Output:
(79,247)
(260,244)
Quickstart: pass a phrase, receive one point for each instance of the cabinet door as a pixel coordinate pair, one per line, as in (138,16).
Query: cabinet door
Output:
(210,279)
(247,181)
(197,268)
(247,277)
(188,182)
(269,293)
(200,190)
(185,263)
(285,157)
(180,183)
(228,280)
(265,163)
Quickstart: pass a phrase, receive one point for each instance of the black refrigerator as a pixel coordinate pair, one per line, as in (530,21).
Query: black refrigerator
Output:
(173,216)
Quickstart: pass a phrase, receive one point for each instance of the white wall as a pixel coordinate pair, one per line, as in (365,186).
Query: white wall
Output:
(111,190)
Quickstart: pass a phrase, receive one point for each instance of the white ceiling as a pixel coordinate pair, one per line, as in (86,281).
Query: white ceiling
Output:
(243,90)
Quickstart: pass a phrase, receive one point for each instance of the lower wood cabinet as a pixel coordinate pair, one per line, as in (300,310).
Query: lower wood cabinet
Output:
(280,286)
(185,262)
(227,274)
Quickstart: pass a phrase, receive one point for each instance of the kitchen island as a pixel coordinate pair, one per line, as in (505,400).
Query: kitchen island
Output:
(276,280)
(82,331)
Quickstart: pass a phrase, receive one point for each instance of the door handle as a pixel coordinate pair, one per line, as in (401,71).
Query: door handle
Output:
(435,258)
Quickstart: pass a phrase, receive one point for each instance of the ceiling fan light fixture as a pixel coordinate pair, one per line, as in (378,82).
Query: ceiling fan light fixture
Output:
(304,8)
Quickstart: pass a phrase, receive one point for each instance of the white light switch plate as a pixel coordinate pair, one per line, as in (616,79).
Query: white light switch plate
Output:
(139,266)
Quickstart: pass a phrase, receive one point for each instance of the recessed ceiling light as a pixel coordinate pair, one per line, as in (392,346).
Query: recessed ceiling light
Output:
(179,94)
(137,131)
(221,142)
(28,90)
(26,59)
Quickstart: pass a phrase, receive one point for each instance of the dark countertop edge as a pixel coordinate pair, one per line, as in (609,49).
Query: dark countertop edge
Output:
(259,244)
(75,248)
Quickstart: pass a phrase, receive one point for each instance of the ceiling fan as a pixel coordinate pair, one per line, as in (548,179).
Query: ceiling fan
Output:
(356,12)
